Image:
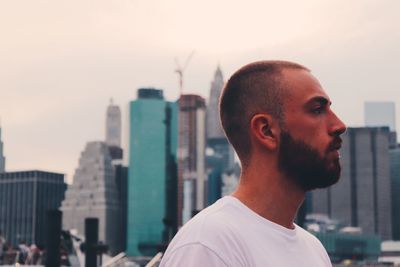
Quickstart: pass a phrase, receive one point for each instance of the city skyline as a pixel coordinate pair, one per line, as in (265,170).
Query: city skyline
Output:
(63,61)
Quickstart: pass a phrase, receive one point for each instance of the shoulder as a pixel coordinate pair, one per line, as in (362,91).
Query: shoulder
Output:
(315,244)
(213,231)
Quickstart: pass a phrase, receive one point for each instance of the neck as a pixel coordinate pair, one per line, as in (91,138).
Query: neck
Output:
(271,195)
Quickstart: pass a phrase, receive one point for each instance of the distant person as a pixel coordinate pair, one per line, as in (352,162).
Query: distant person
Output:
(278,119)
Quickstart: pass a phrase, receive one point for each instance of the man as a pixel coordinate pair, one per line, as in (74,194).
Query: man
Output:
(278,118)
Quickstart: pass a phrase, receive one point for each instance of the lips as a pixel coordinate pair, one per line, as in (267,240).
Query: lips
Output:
(335,145)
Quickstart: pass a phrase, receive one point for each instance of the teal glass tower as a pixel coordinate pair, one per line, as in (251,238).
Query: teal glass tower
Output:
(152,181)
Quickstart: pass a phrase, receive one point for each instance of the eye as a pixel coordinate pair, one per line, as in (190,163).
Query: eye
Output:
(318,110)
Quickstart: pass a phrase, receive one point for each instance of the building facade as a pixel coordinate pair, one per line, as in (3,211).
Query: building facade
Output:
(192,154)
(152,176)
(362,197)
(113,132)
(113,125)
(2,158)
(395,176)
(94,194)
(25,198)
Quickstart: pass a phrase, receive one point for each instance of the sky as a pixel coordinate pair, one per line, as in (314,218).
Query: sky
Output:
(62,60)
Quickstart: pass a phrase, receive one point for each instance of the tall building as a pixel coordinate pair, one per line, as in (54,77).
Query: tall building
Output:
(216,139)
(395,186)
(192,154)
(2,158)
(25,198)
(152,182)
(113,125)
(94,194)
(362,197)
(113,141)
(113,131)
(377,114)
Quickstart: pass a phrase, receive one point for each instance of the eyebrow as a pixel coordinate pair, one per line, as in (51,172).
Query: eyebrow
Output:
(320,100)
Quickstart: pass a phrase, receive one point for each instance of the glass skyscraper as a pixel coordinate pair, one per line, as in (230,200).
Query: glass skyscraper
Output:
(152,178)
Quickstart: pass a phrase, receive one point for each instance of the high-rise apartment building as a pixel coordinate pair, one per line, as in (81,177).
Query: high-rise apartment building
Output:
(94,194)
(25,198)
(216,139)
(362,197)
(2,158)
(378,114)
(192,153)
(152,182)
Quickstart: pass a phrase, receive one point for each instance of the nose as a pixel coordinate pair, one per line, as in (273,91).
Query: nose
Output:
(337,126)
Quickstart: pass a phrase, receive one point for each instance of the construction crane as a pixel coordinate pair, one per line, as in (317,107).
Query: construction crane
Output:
(180,71)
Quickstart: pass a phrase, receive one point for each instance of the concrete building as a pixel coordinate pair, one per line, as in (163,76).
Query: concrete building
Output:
(362,197)
(379,114)
(94,194)
(192,154)
(152,183)
(25,198)
(2,158)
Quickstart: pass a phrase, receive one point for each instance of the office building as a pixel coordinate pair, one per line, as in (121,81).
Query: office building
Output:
(113,141)
(378,114)
(395,186)
(152,175)
(2,158)
(192,154)
(94,194)
(113,131)
(362,197)
(216,139)
(25,198)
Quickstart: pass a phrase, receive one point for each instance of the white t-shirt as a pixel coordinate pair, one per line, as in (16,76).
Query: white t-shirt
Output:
(229,234)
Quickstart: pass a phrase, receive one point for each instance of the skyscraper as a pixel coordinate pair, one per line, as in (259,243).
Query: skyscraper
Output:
(152,183)
(94,194)
(395,175)
(192,153)
(113,131)
(377,114)
(2,158)
(25,198)
(216,139)
(362,197)
(113,125)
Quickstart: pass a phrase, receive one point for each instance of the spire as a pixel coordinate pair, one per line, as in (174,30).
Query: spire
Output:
(218,72)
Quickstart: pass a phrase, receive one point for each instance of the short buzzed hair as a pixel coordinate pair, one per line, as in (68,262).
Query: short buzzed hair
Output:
(255,88)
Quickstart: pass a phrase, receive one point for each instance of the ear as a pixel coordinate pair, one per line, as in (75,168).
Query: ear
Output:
(265,130)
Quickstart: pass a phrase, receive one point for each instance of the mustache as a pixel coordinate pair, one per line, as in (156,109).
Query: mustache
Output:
(336,144)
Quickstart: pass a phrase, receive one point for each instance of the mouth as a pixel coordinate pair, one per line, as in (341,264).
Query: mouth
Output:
(335,146)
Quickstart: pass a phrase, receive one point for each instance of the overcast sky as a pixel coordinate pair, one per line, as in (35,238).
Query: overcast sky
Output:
(61,61)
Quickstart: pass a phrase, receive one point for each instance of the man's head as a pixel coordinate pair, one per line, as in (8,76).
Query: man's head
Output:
(280,109)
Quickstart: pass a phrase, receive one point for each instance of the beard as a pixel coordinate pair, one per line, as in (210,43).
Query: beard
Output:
(303,164)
